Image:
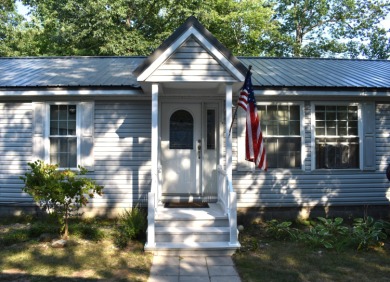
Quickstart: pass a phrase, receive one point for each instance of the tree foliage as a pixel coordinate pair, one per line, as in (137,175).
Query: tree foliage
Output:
(59,192)
(317,28)
(314,28)
(137,27)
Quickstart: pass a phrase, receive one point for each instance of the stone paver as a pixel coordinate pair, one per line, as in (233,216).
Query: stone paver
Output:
(193,269)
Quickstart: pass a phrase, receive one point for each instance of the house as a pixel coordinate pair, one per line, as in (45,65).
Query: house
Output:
(155,130)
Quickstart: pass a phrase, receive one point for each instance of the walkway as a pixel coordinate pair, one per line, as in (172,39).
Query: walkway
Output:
(193,269)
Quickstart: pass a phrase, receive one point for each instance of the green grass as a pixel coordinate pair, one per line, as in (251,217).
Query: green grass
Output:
(264,259)
(90,255)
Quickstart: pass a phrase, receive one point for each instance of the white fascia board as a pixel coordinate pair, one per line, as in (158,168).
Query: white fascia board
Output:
(341,93)
(210,47)
(13,93)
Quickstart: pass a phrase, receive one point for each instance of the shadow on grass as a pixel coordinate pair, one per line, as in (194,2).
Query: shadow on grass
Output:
(81,260)
(289,261)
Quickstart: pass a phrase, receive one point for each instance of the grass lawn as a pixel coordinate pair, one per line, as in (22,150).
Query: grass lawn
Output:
(264,259)
(88,259)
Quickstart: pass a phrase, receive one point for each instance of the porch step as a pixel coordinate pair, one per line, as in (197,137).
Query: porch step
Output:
(192,234)
(191,231)
(192,249)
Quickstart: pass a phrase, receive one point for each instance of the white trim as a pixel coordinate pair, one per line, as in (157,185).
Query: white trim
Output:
(47,130)
(69,92)
(313,135)
(321,93)
(155,137)
(176,44)
(229,115)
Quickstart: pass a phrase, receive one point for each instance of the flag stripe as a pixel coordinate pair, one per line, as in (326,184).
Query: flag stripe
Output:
(254,143)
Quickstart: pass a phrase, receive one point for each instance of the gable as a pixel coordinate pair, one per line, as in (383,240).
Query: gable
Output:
(191,54)
(191,62)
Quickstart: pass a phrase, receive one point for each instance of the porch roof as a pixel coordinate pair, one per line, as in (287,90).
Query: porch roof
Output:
(93,72)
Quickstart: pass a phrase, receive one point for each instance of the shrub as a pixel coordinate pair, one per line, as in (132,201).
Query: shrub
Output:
(328,233)
(368,232)
(131,225)
(280,230)
(59,192)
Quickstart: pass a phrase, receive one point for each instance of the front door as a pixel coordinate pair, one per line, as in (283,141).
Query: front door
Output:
(189,150)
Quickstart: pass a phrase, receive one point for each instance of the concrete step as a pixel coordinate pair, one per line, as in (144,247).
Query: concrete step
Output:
(192,223)
(192,234)
(191,217)
(192,249)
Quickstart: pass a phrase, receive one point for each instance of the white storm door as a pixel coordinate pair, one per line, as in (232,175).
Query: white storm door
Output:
(181,148)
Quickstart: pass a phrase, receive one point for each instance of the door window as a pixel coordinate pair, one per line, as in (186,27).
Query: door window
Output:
(181,130)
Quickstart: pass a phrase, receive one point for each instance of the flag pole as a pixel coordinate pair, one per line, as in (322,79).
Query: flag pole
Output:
(235,110)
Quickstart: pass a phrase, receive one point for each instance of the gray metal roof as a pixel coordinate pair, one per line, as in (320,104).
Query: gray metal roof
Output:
(311,72)
(68,71)
(118,71)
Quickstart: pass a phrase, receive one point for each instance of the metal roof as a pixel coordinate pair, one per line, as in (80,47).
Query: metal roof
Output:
(314,72)
(118,71)
(68,71)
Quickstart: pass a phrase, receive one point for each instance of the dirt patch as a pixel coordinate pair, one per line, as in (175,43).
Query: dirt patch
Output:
(84,273)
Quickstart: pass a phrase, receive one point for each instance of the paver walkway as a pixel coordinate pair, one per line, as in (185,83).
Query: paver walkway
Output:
(193,269)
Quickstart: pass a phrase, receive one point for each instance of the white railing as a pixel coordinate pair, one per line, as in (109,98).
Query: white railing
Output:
(151,216)
(227,198)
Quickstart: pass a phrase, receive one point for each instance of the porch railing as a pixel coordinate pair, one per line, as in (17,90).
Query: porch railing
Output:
(227,198)
(153,199)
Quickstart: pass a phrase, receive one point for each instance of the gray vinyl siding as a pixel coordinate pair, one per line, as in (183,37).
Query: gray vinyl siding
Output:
(15,150)
(191,62)
(288,188)
(122,153)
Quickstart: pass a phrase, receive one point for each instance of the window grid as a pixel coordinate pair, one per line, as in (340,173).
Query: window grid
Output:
(280,125)
(336,140)
(63,137)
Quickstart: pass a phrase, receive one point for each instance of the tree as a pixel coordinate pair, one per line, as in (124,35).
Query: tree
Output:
(137,27)
(59,192)
(330,27)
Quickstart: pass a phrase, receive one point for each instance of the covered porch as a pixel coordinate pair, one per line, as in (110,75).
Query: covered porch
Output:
(191,79)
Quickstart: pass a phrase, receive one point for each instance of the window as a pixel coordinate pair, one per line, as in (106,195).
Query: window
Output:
(181,130)
(211,138)
(280,124)
(63,135)
(336,137)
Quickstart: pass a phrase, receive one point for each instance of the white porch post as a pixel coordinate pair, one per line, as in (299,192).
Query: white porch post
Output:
(153,194)
(232,198)
(228,106)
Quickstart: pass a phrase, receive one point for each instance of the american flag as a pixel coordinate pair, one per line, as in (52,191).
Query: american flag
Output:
(254,143)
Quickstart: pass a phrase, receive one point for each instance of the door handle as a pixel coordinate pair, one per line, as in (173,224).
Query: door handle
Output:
(199,149)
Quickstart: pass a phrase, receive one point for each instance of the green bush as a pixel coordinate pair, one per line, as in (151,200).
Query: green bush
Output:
(59,192)
(328,233)
(131,225)
(368,232)
(280,230)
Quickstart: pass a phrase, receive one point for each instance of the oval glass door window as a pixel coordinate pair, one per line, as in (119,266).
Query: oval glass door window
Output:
(181,130)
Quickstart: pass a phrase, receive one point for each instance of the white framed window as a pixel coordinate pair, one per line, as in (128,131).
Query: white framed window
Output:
(336,140)
(283,133)
(63,135)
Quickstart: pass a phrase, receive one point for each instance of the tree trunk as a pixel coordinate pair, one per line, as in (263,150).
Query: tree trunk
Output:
(66,233)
